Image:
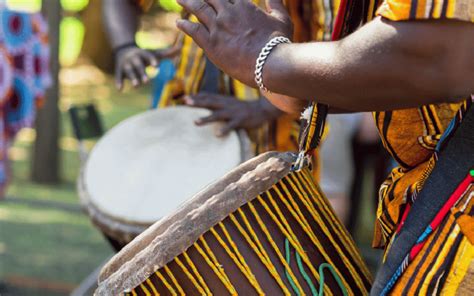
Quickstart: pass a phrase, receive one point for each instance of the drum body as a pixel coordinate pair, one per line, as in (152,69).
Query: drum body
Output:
(143,168)
(261,229)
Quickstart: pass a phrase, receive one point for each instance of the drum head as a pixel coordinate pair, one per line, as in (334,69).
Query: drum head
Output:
(143,168)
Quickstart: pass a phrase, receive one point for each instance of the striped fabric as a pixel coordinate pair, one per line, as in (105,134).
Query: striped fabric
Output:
(280,243)
(444,260)
(428,9)
(411,135)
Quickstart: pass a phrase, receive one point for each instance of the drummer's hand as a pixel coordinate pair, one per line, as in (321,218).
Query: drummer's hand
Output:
(232,32)
(131,63)
(235,113)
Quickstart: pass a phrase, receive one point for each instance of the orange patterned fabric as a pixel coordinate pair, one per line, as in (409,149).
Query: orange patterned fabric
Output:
(398,10)
(443,262)
(411,135)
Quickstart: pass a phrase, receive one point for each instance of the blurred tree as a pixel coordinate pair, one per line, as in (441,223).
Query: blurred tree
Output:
(46,151)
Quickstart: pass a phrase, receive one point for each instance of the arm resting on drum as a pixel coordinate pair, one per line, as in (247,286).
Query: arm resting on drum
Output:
(384,65)
(121,21)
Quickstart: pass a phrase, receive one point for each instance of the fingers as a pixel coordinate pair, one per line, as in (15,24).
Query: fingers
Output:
(119,78)
(149,58)
(139,68)
(218,5)
(215,116)
(130,74)
(196,31)
(203,100)
(167,53)
(230,126)
(277,9)
(204,13)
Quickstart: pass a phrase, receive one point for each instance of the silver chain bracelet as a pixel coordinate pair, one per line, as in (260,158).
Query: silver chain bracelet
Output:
(262,58)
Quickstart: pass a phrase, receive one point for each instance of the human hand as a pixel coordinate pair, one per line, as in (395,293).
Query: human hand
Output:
(131,63)
(235,113)
(233,32)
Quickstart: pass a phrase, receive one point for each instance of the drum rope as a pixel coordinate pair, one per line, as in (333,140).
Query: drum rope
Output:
(287,232)
(196,273)
(258,249)
(312,198)
(145,290)
(308,230)
(173,280)
(303,178)
(308,279)
(240,257)
(296,213)
(246,272)
(287,201)
(302,271)
(214,259)
(282,223)
(273,244)
(220,274)
(190,276)
(164,281)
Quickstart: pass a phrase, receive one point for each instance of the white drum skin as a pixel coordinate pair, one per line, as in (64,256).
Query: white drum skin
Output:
(149,164)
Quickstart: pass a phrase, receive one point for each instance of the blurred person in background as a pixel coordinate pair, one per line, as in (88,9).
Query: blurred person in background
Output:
(24,76)
(337,164)
(199,83)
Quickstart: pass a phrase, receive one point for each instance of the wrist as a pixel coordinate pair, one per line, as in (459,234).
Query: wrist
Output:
(118,49)
(275,67)
(263,57)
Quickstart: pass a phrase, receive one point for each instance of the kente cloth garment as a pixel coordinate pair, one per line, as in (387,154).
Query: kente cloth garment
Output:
(313,21)
(412,135)
(24,75)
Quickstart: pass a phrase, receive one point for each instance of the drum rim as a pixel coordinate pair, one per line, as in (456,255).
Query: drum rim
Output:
(116,275)
(125,230)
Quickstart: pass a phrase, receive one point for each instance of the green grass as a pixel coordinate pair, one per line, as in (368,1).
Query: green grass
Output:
(48,243)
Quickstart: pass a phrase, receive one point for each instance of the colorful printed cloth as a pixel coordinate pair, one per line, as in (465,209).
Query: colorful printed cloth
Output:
(24,75)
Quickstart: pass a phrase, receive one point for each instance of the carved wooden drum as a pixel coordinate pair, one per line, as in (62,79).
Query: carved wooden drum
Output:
(262,229)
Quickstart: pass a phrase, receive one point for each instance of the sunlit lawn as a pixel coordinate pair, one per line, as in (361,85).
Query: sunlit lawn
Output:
(45,240)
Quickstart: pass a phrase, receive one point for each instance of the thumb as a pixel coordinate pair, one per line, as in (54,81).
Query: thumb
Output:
(277,9)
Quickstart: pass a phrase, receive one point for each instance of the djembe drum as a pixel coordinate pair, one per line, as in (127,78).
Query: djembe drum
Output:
(264,228)
(143,168)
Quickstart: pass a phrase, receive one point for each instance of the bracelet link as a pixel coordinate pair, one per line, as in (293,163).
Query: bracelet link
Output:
(262,58)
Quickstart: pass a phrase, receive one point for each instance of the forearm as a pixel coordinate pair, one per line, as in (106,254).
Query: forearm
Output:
(121,21)
(384,65)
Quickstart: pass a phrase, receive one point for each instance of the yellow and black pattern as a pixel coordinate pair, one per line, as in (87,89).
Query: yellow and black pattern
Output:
(428,9)
(279,243)
(445,260)
(411,135)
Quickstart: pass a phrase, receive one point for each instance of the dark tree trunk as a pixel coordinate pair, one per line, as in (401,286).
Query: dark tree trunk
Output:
(46,151)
